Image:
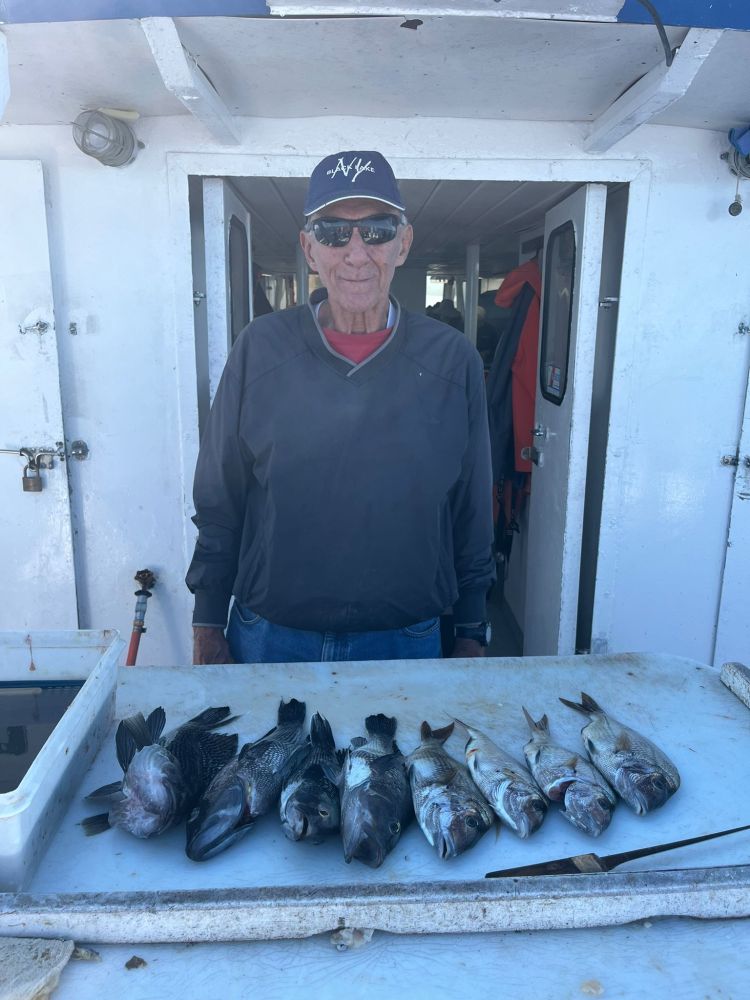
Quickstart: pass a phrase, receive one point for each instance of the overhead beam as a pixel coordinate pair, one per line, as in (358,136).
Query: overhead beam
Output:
(184,78)
(4,75)
(653,93)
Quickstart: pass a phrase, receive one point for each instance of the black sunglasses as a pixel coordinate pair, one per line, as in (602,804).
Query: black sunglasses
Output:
(337,232)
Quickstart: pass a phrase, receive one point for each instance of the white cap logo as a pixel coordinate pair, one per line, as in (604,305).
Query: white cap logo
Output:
(355,168)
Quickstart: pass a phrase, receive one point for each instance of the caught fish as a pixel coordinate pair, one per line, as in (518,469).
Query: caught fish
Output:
(375,795)
(449,807)
(163,776)
(247,787)
(639,771)
(506,784)
(568,778)
(310,807)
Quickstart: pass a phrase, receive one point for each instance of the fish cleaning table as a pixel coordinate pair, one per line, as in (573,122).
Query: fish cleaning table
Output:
(114,888)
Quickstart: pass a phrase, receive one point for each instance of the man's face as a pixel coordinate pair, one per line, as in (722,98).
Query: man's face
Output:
(357,276)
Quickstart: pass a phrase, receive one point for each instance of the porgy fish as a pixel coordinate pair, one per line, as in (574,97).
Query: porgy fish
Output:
(310,807)
(164,776)
(568,778)
(375,795)
(506,784)
(450,809)
(247,787)
(640,772)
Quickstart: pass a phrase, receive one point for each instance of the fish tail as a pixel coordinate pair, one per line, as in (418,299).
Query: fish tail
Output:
(292,712)
(426,732)
(575,706)
(155,724)
(381,725)
(542,726)
(320,733)
(211,718)
(94,825)
(588,703)
(106,791)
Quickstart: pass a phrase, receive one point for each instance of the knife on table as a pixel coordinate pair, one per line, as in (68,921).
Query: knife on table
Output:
(588,864)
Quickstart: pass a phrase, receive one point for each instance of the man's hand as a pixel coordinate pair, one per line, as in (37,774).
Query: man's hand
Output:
(466,647)
(210,645)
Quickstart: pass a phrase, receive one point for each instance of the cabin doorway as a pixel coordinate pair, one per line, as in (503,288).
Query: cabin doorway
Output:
(469,236)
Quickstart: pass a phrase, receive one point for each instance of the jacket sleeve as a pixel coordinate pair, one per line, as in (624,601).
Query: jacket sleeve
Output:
(219,495)
(471,508)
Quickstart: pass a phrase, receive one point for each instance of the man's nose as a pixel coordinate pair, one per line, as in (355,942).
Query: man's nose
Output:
(356,248)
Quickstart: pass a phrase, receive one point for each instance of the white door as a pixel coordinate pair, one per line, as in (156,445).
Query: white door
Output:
(573,236)
(35,533)
(733,624)
(229,271)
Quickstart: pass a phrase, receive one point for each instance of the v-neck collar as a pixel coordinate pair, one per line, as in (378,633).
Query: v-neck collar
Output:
(318,342)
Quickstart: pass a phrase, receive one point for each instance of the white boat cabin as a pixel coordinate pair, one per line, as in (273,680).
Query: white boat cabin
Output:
(121,287)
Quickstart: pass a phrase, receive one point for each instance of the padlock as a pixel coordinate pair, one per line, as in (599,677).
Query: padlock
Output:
(32,481)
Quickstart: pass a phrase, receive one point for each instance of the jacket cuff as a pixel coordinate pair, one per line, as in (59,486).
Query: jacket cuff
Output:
(470,607)
(211,606)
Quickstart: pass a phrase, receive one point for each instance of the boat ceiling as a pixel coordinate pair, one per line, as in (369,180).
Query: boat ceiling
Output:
(450,67)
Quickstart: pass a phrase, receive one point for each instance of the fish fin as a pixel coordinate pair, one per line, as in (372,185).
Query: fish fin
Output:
(93,825)
(139,729)
(357,742)
(381,765)
(623,743)
(333,768)
(106,791)
(291,713)
(572,761)
(320,733)
(381,725)
(574,705)
(588,703)
(125,746)
(155,724)
(441,735)
(210,718)
(542,726)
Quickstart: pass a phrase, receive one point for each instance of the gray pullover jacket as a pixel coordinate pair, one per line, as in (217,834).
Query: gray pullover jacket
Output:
(338,497)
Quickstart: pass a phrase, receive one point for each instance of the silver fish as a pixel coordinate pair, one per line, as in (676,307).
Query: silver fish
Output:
(640,772)
(568,778)
(247,787)
(375,796)
(506,784)
(163,776)
(449,807)
(310,807)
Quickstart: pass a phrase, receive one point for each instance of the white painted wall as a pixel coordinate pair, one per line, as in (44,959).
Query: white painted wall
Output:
(120,248)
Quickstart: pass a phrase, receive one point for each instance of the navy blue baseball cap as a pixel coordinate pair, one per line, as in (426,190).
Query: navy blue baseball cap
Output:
(354,174)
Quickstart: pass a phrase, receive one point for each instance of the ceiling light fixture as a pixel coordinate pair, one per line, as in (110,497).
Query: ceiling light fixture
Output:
(108,139)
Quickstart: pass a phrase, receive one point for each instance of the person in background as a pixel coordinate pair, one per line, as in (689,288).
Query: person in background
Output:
(261,305)
(343,486)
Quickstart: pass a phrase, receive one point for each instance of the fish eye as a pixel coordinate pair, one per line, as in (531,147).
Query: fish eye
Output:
(395,827)
(323,813)
(472,822)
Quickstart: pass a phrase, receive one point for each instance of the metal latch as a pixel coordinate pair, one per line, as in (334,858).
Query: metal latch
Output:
(532,454)
(731,459)
(608,301)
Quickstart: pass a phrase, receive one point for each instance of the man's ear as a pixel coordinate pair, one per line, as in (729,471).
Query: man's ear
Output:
(305,241)
(407,237)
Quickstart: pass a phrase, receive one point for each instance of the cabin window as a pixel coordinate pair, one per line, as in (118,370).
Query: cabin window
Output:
(559,284)
(239,277)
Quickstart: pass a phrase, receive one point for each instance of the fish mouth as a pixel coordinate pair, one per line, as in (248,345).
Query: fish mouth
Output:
(366,849)
(445,847)
(647,792)
(217,823)
(296,825)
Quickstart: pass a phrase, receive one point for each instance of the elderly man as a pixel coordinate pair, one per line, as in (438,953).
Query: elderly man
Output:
(343,486)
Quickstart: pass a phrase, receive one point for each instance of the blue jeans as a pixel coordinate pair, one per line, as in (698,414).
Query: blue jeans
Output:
(253,639)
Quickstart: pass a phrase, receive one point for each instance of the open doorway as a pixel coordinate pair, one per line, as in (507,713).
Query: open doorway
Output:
(245,245)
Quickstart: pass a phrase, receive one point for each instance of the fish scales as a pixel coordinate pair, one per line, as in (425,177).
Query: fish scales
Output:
(247,787)
(506,784)
(566,777)
(310,805)
(375,794)
(640,772)
(450,809)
